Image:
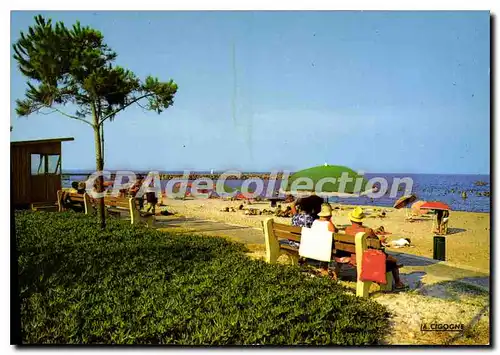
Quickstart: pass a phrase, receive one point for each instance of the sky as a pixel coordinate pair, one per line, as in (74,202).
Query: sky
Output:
(405,92)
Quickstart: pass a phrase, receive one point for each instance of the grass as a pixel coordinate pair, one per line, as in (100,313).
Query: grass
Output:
(133,285)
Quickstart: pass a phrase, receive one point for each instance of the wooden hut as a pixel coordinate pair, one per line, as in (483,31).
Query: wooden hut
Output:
(35,171)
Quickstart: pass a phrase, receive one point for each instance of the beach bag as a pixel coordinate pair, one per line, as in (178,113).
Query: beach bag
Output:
(316,244)
(374,266)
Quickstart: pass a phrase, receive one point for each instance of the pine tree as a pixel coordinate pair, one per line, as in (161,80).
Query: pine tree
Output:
(74,66)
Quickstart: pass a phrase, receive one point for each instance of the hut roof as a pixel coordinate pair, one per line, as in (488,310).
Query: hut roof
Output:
(50,140)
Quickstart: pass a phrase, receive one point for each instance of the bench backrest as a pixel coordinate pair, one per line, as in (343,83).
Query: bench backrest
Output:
(76,197)
(117,202)
(343,242)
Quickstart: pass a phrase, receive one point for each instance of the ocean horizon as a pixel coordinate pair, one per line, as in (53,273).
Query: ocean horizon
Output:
(447,188)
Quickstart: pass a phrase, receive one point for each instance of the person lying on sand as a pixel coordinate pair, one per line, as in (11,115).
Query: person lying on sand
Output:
(357,216)
(399,243)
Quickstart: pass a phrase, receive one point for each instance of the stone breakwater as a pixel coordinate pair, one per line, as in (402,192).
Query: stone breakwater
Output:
(192,176)
(243,176)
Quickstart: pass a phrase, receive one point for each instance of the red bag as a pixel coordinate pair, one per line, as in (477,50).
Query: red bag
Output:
(373,267)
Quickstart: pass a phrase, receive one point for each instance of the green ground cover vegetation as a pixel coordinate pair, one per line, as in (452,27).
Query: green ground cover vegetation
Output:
(128,284)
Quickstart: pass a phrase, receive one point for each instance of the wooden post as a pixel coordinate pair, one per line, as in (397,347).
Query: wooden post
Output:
(89,208)
(134,212)
(150,221)
(272,245)
(362,287)
(60,201)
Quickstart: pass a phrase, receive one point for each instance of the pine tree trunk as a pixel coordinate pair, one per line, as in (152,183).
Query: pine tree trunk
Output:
(102,142)
(99,163)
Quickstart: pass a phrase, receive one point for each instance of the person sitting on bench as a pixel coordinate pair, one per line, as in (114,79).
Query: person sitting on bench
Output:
(66,201)
(356,216)
(324,222)
(325,219)
(135,188)
(305,211)
(152,201)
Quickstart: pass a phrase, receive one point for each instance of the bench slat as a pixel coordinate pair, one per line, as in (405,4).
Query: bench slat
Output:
(350,248)
(116,202)
(344,238)
(75,197)
(350,239)
(294,250)
(289,248)
(287,235)
(287,228)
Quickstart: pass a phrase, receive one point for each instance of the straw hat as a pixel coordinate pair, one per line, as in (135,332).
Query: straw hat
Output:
(357,215)
(326,210)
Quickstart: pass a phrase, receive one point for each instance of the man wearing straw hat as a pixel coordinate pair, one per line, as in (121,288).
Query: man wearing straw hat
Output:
(357,216)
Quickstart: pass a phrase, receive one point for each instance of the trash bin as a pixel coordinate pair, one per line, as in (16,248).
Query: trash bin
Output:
(439,251)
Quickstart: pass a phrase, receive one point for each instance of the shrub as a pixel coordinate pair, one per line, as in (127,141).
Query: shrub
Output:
(130,284)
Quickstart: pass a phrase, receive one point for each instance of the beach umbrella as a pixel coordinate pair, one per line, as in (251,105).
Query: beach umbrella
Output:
(310,203)
(241,196)
(405,201)
(435,205)
(323,175)
(416,208)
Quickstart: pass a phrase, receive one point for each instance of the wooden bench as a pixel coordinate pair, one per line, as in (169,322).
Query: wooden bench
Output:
(355,245)
(114,205)
(117,205)
(73,198)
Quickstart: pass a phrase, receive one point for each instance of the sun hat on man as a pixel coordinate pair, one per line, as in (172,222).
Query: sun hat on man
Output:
(326,210)
(357,215)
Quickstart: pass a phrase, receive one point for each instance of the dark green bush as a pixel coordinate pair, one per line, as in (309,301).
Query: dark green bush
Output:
(128,284)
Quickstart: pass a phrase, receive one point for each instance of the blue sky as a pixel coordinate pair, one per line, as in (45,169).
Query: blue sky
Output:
(376,91)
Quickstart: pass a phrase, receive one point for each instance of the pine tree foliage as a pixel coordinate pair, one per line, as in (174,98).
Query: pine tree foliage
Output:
(74,66)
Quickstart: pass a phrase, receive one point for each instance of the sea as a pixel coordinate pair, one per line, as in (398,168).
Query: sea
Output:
(446,188)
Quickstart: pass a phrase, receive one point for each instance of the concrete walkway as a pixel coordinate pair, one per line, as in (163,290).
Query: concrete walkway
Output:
(417,270)
(243,234)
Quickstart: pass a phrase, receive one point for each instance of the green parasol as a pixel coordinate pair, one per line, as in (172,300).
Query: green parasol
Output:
(319,179)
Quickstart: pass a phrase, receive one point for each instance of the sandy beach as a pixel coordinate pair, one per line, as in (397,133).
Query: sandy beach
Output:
(467,243)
